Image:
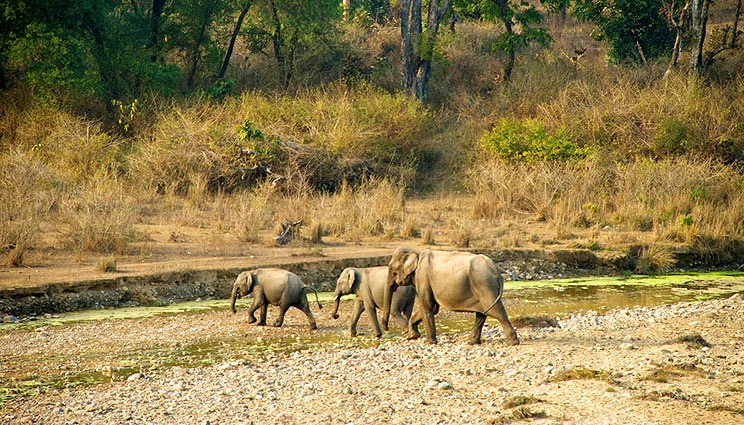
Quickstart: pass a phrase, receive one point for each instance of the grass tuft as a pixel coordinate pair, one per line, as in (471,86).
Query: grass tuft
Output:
(580,373)
(692,341)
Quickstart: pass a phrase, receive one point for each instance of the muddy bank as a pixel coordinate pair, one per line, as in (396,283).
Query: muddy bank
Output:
(183,285)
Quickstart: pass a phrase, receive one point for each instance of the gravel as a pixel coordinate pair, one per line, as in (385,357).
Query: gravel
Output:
(646,374)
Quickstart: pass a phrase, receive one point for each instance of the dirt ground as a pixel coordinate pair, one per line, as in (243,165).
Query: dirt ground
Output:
(672,364)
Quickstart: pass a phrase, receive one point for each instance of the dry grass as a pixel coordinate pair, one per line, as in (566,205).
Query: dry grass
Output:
(351,153)
(580,373)
(97,218)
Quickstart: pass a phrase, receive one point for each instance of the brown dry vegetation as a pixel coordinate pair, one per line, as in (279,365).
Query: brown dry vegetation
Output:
(358,164)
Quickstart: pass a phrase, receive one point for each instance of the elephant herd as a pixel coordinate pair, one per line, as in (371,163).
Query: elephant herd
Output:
(457,281)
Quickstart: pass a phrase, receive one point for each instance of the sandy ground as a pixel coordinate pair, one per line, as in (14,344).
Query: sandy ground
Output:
(210,367)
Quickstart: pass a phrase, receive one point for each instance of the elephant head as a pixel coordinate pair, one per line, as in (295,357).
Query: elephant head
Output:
(346,284)
(244,285)
(401,269)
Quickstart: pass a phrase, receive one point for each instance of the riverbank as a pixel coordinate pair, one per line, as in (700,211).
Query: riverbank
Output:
(30,292)
(671,364)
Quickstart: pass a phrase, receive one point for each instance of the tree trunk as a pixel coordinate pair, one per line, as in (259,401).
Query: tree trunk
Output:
(198,43)
(410,28)
(347,10)
(157,12)
(732,43)
(277,38)
(678,27)
(417,62)
(231,45)
(506,18)
(699,24)
(3,78)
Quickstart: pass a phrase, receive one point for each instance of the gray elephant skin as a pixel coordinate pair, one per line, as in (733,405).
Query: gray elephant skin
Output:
(368,284)
(457,281)
(273,286)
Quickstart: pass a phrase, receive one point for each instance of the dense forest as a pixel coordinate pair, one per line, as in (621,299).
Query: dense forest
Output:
(580,114)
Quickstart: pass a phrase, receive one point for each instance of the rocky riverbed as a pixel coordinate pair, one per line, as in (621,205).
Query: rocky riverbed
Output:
(672,364)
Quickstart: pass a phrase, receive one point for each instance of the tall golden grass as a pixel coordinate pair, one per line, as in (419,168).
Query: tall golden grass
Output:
(663,162)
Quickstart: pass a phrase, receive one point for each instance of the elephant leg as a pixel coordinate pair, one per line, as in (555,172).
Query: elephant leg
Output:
(306,309)
(358,309)
(280,319)
(413,332)
(372,313)
(252,309)
(429,324)
(499,313)
(402,320)
(480,320)
(262,314)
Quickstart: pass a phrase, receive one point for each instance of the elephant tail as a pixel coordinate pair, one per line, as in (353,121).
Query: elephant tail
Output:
(316,296)
(498,297)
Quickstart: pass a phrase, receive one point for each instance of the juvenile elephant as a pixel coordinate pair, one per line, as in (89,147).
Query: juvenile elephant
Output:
(457,281)
(273,286)
(368,284)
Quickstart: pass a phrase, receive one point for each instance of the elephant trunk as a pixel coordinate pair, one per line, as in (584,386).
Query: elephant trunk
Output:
(232,300)
(388,299)
(335,306)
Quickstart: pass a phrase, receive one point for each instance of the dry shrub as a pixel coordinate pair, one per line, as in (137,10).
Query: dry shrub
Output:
(249,214)
(28,191)
(547,190)
(98,217)
(461,238)
(189,145)
(372,208)
(655,259)
(107,264)
(427,237)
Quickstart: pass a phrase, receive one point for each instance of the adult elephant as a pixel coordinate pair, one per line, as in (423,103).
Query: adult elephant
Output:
(273,286)
(457,281)
(368,284)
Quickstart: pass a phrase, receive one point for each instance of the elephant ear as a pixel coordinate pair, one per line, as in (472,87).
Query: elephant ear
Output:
(351,279)
(410,263)
(249,281)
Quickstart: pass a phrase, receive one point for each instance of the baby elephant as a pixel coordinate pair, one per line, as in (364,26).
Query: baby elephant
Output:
(276,287)
(369,286)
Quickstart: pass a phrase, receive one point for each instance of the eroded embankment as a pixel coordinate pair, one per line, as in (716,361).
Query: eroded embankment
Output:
(183,285)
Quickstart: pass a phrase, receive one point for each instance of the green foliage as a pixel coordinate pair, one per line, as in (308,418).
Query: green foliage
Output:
(671,138)
(263,149)
(627,25)
(286,29)
(528,140)
(52,62)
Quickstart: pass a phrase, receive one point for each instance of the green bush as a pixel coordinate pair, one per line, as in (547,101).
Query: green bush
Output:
(671,138)
(530,141)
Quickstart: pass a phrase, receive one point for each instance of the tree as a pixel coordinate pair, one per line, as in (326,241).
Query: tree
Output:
(699,25)
(520,21)
(634,29)
(676,17)
(285,28)
(231,45)
(418,44)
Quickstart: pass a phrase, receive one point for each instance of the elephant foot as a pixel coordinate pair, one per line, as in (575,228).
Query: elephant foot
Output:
(251,320)
(412,336)
(277,324)
(474,341)
(430,341)
(313,327)
(260,323)
(512,341)
(377,335)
